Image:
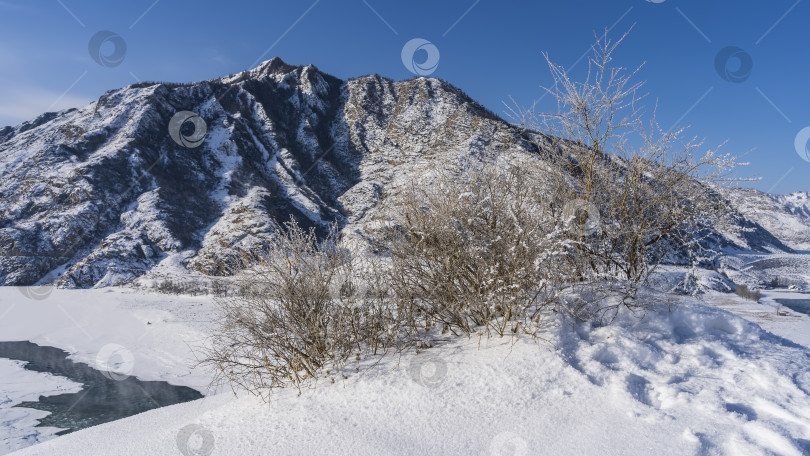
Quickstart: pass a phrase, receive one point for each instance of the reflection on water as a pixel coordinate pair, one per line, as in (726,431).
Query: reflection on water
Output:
(101,399)
(797,305)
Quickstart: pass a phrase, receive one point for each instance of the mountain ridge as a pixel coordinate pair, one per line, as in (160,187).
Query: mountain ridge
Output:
(277,144)
(102,194)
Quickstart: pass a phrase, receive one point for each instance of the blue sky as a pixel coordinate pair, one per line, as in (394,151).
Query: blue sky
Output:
(489,48)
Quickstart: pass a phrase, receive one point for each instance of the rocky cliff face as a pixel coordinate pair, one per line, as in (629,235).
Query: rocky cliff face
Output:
(104,194)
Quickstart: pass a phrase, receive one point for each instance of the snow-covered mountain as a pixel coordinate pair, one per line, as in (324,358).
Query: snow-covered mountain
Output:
(786,216)
(103,194)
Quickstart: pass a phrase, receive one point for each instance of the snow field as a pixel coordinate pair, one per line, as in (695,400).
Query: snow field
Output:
(697,380)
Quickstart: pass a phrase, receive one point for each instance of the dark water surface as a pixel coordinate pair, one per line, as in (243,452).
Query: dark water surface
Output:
(797,305)
(103,397)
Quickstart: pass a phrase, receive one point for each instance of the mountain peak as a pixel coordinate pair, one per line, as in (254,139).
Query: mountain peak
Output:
(273,66)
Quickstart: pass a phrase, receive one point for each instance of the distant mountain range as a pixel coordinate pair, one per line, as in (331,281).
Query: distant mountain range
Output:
(193,177)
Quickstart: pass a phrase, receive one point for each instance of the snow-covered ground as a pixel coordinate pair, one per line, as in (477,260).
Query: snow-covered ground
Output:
(789,324)
(694,380)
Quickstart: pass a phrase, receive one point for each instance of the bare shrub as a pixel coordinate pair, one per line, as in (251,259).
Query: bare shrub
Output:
(474,249)
(297,314)
(782,282)
(181,287)
(746,293)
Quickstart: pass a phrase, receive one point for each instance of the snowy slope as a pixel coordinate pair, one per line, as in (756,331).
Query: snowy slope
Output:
(763,271)
(786,216)
(697,380)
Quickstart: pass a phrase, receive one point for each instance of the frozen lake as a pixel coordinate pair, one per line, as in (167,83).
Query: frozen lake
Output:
(104,396)
(797,305)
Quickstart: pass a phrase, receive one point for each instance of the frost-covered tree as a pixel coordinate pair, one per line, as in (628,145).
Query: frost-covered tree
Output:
(632,194)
